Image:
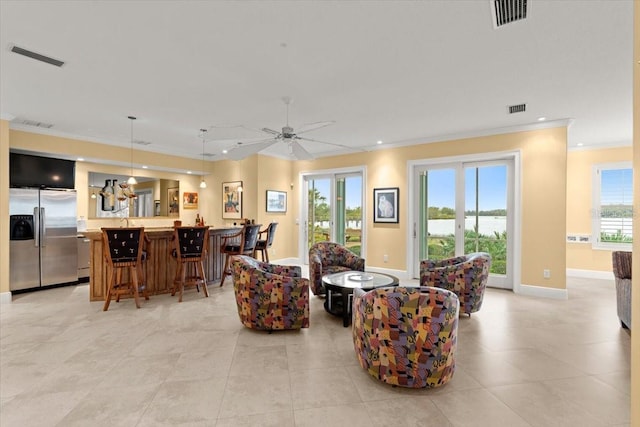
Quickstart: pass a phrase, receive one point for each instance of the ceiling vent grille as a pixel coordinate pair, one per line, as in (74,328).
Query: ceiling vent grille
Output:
(37,56)
(520,108)
(506,11)
(33,123)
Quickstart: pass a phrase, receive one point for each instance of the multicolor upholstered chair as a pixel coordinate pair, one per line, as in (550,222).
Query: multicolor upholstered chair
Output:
(327,258)
(406,337)
(270,296)
(622,273)
(464,275)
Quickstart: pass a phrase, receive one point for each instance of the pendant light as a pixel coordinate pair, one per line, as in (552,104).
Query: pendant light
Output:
(132,179)
(202,183)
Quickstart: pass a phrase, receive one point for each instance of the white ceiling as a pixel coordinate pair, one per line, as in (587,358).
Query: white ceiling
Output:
(397,71)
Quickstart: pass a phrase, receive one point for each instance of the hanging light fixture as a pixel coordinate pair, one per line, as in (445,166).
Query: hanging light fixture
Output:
(202,183)
(132,179)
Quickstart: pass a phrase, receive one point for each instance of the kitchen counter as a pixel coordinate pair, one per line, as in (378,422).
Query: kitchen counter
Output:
(160,267)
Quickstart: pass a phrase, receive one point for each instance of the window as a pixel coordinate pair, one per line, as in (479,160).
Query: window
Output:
(613,206)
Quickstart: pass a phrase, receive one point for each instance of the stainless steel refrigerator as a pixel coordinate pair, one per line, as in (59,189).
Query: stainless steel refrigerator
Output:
(43,238)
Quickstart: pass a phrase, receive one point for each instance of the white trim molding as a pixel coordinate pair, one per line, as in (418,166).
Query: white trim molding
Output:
(590,274)
(541,292)
(5,298)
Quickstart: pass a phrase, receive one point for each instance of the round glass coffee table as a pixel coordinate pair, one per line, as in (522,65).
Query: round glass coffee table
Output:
(340,288)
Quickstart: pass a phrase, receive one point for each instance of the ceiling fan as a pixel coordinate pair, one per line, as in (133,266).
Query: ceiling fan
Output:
(287,135)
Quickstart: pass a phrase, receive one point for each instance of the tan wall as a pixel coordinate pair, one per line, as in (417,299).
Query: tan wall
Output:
(543,196)
(4,206)
(580,164)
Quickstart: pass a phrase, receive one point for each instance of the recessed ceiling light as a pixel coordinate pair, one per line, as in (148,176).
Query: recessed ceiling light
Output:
(542,119)
(225,151)
(379,142)
(80,159)
(145,167)
(580,144)
(189,172)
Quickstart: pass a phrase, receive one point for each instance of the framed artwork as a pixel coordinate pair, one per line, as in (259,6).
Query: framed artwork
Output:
(385,204)
(173,199)
(276,201)
(190,200)
(231,200)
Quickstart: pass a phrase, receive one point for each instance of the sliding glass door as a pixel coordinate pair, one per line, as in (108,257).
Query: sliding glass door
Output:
(462,208)
(334,210)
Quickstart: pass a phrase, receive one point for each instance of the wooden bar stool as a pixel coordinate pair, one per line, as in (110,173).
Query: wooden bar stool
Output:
(241,243)
(123,252)
(263,245)
(191,249)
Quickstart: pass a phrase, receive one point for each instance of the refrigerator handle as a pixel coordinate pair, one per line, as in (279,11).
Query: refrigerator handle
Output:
(36,226)
(43,228)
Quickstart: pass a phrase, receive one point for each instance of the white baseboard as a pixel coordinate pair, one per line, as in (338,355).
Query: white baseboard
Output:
(590,274)
(541,292)
(5,298)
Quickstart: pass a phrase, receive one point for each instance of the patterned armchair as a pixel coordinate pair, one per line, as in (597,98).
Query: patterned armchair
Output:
(464,275)
(406,336)
(327,258)
(270,296)
(622,273)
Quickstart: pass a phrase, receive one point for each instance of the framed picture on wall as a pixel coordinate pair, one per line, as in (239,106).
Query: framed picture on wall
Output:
(190,200)
(276,201)
(173,199)
(231,200)
(385,204)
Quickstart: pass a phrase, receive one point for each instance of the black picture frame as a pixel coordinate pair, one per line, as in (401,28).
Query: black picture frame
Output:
(276,201)
(385,205)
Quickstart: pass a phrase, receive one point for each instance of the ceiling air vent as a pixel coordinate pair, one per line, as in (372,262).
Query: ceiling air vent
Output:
(506,11)
(520,108)
(141,142)
(37,56)
(33,123)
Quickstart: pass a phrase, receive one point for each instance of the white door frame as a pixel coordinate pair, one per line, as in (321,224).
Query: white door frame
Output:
(303,207)
(513,185)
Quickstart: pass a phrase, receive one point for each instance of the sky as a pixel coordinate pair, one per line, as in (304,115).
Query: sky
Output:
(616,187)
(492,191)
(492,188)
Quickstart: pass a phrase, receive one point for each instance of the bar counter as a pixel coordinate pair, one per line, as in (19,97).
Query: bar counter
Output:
(160,267)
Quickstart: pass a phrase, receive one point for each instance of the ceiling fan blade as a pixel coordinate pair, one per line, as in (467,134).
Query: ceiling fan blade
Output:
(331,143)
(299,152)
(313,126)
(271,131)
(241,151)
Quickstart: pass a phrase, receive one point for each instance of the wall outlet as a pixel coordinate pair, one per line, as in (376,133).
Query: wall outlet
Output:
(546,274)
(385,258)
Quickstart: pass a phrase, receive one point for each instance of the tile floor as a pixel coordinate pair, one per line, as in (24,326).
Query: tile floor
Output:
(521,361)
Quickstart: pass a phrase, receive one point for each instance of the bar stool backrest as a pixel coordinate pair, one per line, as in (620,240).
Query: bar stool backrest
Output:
(192,241)
(250,238)
(123,245)
(271,232)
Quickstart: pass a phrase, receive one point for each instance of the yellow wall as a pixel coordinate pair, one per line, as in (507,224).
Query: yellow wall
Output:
(4,206)
(543,196)
(580,164)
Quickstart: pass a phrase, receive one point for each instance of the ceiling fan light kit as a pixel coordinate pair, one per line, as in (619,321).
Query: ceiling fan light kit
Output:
(287,135)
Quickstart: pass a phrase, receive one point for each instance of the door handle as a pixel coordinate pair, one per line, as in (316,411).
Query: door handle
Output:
(36,226)
(43,220)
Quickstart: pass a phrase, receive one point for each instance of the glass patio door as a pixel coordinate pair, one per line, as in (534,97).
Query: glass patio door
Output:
(464,208)
(333,210)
